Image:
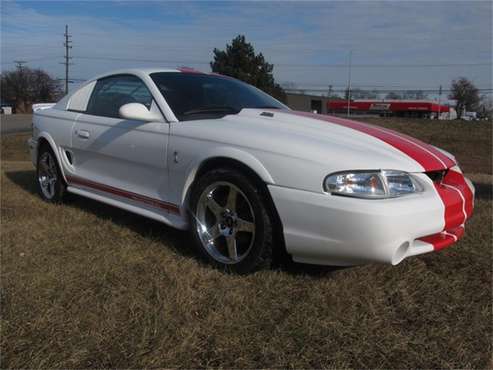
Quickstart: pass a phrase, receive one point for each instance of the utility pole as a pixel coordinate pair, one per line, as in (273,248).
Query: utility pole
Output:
(439,101)
(349,83)
(22,86)
(328,98)
(20,64)
(67,57)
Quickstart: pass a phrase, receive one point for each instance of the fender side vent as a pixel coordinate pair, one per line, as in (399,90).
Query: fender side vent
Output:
(69,156)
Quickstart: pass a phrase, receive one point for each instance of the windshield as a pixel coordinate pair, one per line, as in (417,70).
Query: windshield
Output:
(200,96)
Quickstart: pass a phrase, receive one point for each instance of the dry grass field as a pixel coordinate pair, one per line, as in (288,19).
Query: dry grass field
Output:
(87,285)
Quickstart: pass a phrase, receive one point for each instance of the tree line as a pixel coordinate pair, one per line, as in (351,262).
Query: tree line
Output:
(24,86)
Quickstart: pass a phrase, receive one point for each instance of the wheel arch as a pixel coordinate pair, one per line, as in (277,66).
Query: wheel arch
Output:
(258,175)
(45,139)
(224,156)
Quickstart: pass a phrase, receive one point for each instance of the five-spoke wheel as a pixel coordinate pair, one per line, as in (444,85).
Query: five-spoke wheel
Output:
(230,220)
(50,183)
(225,222)
(47,174)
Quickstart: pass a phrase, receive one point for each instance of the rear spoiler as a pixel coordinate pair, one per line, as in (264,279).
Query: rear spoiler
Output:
(41,106)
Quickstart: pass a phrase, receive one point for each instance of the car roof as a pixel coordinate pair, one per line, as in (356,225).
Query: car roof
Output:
(147,71)
(140,72)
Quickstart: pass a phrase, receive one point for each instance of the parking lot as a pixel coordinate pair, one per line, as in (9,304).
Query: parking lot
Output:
(89,285)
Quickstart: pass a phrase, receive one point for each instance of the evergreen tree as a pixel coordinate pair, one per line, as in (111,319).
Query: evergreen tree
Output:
(240,61)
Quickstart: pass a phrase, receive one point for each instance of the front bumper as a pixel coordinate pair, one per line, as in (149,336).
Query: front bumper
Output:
(334,230)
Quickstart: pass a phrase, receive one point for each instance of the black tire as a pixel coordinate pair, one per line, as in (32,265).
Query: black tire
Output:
(59,186)
(259,254)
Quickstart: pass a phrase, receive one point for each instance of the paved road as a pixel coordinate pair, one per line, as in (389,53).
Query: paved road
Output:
(15,123)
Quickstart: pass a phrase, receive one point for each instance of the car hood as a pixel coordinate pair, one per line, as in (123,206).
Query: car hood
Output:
(337,143)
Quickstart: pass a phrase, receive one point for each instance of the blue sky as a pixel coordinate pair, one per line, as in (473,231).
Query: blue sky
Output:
(306,41)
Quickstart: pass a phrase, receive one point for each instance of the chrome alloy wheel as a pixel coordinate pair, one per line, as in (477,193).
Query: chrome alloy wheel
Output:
(47,174)
(225,222)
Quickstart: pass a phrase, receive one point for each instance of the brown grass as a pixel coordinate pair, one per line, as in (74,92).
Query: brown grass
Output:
(470,142)
(88,285)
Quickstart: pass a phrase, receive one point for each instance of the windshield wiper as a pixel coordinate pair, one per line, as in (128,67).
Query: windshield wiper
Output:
(219,109)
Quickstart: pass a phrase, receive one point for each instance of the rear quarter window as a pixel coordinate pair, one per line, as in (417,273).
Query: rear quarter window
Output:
(79,100)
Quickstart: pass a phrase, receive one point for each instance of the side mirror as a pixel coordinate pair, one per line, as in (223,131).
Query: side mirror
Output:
(138,112)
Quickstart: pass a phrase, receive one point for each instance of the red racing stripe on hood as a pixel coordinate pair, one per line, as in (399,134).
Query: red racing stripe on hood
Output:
(456,195)
(456,179)
(458,201)
(453,204)
(445,238)
(457,198)
(426,155)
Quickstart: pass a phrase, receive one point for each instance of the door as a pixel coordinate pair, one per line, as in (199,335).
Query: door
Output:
(316,106)
(122,158)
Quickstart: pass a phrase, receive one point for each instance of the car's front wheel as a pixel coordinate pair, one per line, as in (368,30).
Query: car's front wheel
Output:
(230,221)
(51,186)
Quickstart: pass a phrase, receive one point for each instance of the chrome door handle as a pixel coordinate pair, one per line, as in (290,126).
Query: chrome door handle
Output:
(83,134)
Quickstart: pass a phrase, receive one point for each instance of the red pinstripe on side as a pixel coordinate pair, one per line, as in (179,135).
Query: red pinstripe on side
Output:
(173,208)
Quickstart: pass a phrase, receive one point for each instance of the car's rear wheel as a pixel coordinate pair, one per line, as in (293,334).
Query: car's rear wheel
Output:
(50,184)
(230,221)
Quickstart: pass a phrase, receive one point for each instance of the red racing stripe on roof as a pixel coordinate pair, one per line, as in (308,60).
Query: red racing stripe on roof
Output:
(189,70)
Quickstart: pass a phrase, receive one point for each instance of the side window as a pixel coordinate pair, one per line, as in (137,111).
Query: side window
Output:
(111,93)
(78,102)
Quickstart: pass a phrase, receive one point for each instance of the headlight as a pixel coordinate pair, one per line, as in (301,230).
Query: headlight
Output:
(372,184)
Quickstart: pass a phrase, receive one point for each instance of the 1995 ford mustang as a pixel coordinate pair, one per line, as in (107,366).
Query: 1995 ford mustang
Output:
(246,174)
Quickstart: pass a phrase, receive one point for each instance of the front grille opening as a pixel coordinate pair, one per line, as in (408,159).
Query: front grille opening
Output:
(436,176)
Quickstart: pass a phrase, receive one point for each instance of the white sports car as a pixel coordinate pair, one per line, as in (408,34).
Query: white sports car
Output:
(246,174)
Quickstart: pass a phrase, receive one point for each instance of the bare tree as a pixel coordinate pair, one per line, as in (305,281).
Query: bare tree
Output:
(393,95)
(465,94)
(357,93)
(24,86)
(486,107)
(414,94)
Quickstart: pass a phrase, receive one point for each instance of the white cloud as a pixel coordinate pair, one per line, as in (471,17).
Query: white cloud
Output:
(287,33)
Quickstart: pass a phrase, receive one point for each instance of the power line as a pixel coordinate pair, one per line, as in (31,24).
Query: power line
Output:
(308,85)
(34,60)
(325,65)
(72,80)
(294,89)
(20,64)
(385,65)
(116,59)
